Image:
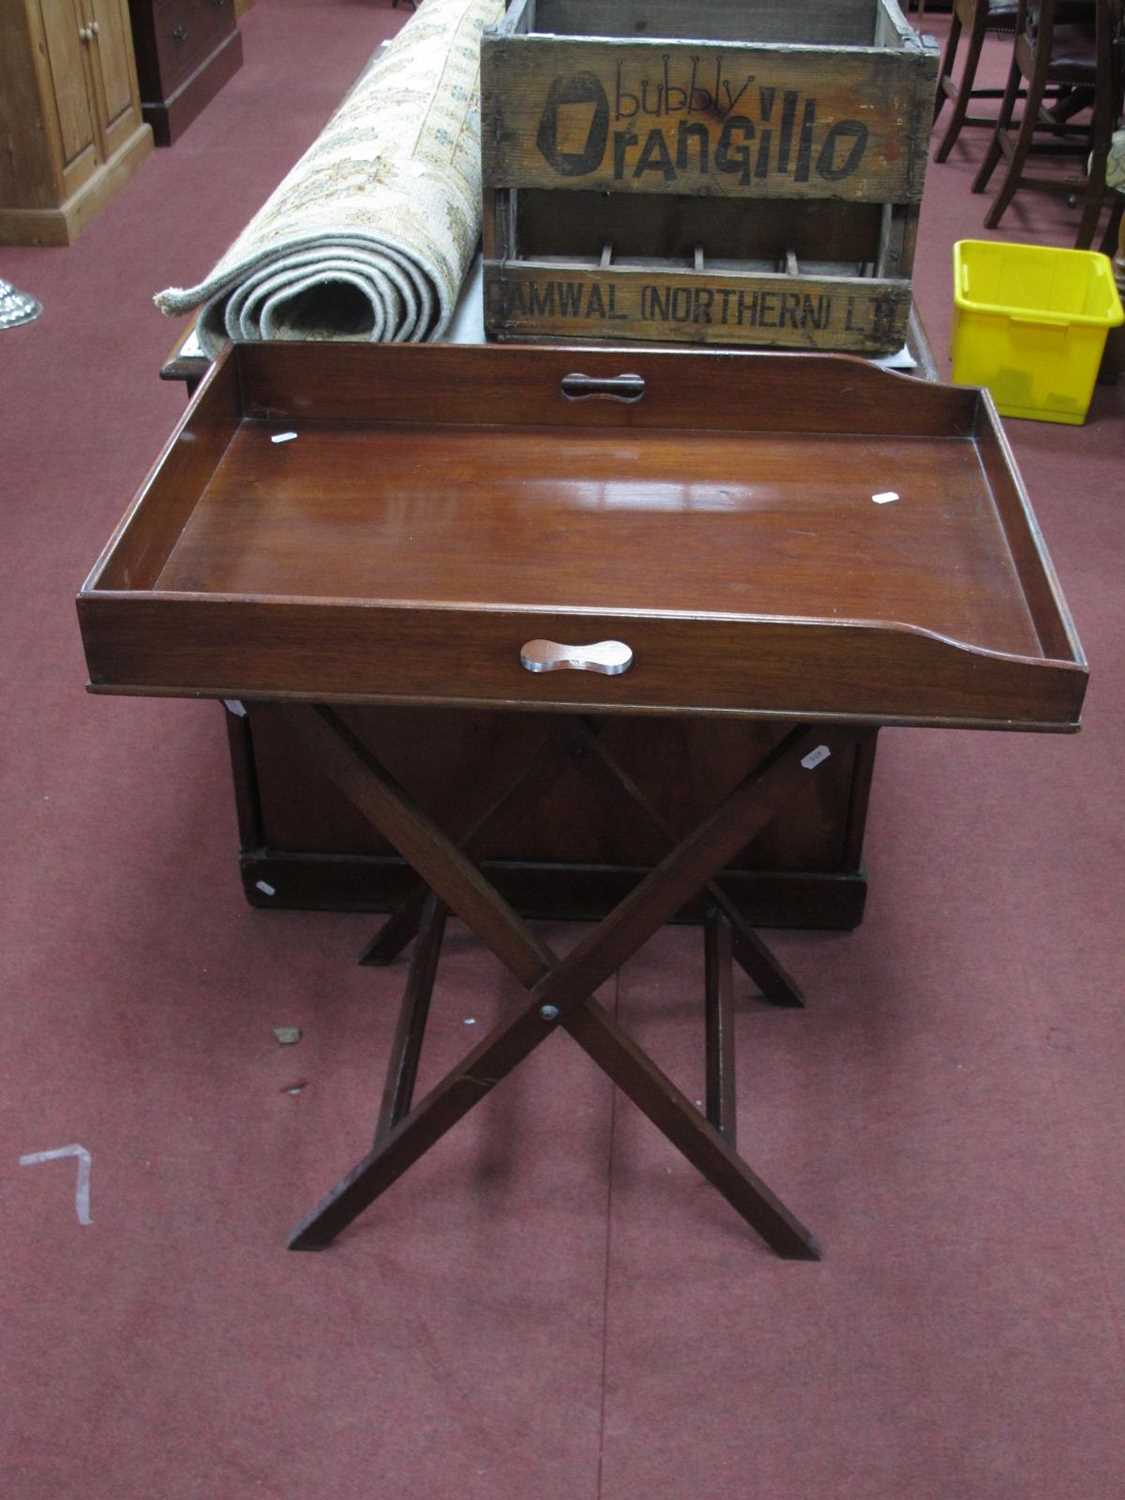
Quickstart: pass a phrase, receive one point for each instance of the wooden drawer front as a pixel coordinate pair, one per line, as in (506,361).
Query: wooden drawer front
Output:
(185,32)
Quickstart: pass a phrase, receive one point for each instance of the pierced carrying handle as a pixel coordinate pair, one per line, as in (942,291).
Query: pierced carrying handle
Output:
(611,658)
(629,388)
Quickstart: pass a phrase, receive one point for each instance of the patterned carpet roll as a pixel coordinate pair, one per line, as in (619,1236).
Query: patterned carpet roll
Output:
(370,235)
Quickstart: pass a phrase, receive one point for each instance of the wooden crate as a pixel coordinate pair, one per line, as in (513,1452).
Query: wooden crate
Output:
(757,182)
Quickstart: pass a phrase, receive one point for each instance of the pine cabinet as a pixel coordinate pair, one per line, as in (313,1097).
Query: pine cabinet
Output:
(71,131)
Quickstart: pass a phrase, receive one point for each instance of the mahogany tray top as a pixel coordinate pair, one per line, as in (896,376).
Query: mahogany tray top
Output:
(440,507)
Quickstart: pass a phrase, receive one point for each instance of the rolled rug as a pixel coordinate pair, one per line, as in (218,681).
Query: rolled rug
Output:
(1115,162)
(370,235)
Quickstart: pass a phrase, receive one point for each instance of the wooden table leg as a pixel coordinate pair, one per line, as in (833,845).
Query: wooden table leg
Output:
(560,990)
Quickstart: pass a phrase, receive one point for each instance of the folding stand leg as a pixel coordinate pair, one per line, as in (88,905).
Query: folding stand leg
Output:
(719,1020)
(776,984)
(561,990)
(636,1075)
(763,967)
(402,1070)
(557,747)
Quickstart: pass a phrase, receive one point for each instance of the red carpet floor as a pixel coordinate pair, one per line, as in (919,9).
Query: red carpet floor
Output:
(551,1305)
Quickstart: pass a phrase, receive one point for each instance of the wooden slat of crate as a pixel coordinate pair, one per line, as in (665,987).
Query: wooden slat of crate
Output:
(826,22)
(576,226)
(542,298)
(659,117)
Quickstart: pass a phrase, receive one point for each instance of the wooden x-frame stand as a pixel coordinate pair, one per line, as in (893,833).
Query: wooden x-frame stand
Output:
(561,991)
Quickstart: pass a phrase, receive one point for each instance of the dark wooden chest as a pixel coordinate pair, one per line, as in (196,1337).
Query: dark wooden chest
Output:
(186,50)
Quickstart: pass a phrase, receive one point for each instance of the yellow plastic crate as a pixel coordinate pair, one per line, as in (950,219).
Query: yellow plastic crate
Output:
(1030,323)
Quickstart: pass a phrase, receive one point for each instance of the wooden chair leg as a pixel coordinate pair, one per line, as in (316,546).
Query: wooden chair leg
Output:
(1107,106)
(964,88)
(1020,152)
(1109,245)
(1003,125)
(947,59)
(1094,198)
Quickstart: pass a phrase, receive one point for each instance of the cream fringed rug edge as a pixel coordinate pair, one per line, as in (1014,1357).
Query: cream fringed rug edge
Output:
(370,235)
